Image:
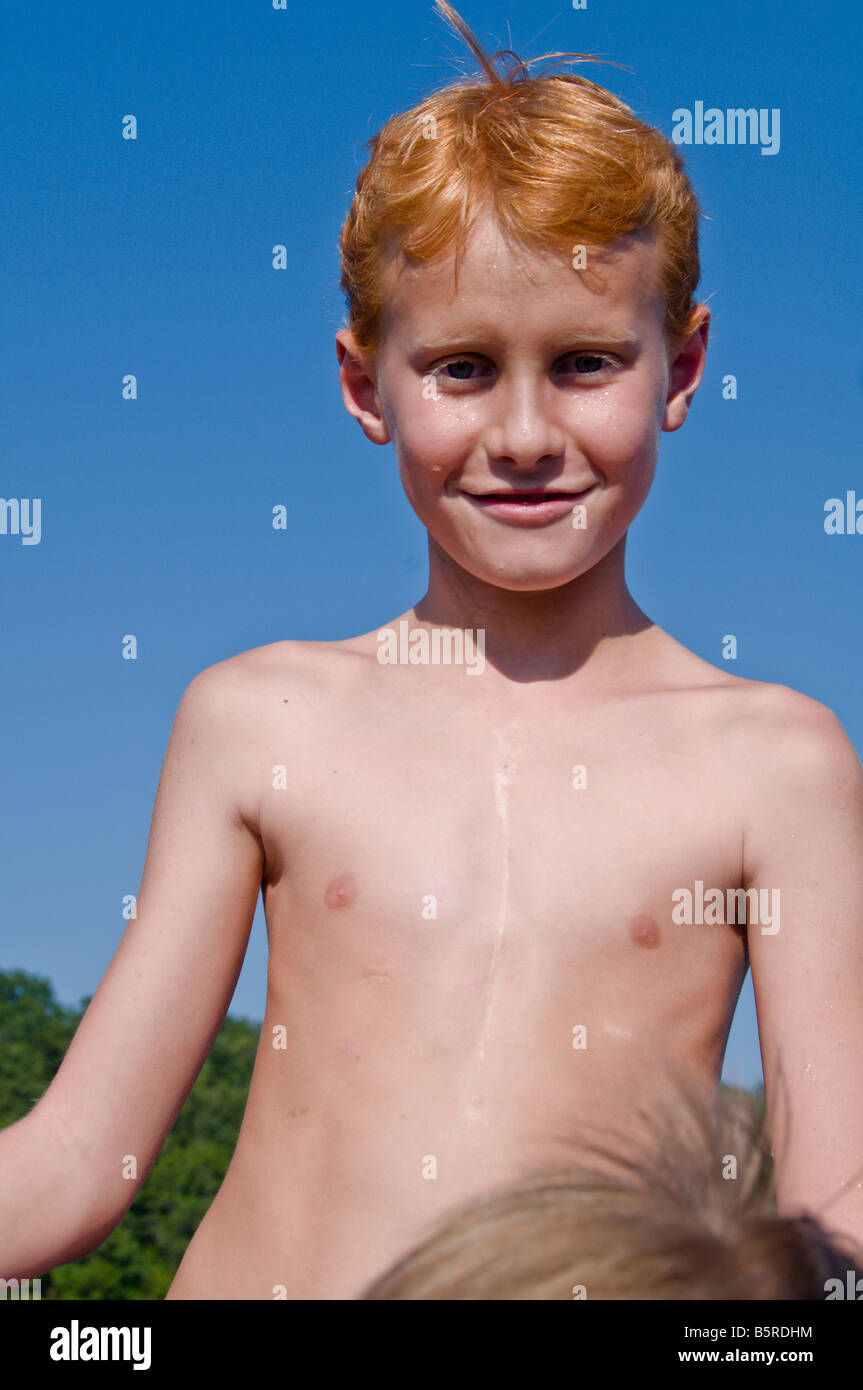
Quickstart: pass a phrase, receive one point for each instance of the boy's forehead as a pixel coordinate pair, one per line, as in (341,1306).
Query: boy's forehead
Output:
(499,283)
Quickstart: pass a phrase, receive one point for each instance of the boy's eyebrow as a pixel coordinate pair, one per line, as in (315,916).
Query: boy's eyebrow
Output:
(460,339)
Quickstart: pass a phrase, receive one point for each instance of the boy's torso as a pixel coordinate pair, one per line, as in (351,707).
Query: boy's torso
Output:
(473,964)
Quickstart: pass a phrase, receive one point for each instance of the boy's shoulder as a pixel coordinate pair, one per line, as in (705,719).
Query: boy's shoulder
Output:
(281,687)
(237,710)
(784,744)
(784,722)
(257,671)
(764,728)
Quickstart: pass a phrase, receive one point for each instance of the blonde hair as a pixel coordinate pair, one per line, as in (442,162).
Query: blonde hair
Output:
(556,159)
(665,1222)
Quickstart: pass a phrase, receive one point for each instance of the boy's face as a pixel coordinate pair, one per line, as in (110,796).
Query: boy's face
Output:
(526,382)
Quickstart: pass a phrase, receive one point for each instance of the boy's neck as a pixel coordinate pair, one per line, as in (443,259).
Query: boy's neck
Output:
(579,629)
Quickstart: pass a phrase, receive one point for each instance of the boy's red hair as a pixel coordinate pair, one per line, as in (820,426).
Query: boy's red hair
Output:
(557,160)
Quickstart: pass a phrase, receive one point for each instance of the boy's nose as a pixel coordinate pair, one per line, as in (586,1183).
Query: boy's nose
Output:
(522,429)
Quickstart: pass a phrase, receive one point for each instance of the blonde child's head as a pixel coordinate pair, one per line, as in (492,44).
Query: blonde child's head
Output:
(686,1213)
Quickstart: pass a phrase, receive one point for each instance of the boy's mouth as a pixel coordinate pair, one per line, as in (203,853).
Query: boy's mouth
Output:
(522,504)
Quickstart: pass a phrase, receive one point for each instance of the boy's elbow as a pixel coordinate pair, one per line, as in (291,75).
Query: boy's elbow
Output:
(48,1215)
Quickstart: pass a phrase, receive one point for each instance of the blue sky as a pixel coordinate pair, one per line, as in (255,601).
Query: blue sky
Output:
(154,257)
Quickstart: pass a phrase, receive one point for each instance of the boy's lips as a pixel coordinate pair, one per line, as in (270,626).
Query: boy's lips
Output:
(527,505)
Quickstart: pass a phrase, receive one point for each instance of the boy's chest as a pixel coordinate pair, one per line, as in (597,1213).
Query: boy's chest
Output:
(544,841)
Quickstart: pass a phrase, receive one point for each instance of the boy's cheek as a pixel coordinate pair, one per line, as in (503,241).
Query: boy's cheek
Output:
(433,449)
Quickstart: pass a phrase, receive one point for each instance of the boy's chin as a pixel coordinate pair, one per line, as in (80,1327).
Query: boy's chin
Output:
(519,578)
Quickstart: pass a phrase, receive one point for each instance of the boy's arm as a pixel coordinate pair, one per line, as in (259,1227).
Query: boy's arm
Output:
(65,1168)
(805,838)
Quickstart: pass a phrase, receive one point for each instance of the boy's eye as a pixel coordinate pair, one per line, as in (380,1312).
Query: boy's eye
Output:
(457,369)
(465,369)
(454,372)
(588,363)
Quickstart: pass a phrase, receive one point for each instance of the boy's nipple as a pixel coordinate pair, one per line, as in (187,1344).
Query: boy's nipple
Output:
(644,931)
(341,891)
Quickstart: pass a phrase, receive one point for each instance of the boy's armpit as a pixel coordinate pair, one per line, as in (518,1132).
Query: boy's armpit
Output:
(151,1022)
(804,854)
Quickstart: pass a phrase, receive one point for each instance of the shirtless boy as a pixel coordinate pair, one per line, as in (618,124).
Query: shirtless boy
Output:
(469,874)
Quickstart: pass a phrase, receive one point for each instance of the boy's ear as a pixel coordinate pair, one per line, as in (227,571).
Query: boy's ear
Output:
(359,390)
(686,368)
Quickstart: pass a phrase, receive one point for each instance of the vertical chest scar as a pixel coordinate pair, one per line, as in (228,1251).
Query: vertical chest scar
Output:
(341,891)
(643,931)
